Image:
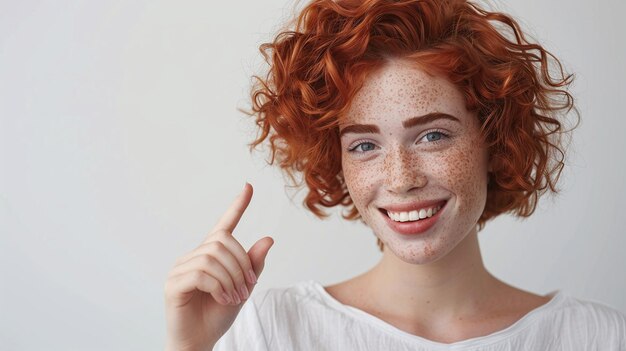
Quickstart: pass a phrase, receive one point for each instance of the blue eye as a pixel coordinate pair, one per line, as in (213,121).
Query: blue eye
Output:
(364,146)
(363,149)
(438,136)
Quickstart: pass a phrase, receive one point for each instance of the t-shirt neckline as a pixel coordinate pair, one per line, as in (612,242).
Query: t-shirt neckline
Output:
(556,297)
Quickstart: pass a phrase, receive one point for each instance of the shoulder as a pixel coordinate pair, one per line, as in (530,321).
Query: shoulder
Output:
(592,312)
(575,305)
(589,320)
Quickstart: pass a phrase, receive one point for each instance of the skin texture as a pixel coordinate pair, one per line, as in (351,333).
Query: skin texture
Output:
(437,281)
(403,165)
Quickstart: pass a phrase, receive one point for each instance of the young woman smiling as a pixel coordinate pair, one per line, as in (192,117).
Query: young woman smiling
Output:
(425,121)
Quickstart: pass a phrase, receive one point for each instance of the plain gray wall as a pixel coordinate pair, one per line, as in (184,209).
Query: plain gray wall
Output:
(120,145)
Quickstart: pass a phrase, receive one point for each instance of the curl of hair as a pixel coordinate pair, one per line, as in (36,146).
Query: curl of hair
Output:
(317,68)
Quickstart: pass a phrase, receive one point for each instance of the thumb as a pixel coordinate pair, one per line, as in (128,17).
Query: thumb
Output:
(258,252)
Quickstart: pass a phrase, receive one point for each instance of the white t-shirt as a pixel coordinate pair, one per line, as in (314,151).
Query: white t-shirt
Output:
(305,317)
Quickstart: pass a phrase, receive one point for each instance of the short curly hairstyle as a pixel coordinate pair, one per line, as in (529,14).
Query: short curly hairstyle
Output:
(316,69)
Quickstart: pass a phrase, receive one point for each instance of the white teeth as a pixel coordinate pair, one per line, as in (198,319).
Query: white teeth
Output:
(413,215)
(422,213)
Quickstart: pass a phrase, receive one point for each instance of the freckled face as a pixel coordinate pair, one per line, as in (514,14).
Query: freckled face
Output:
(442,159)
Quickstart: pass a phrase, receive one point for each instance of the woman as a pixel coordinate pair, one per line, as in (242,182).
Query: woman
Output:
(426,121)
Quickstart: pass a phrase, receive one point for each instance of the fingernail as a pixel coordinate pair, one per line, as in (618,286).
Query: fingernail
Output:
(244,292)
(237,297)
(226,297)
(252,277)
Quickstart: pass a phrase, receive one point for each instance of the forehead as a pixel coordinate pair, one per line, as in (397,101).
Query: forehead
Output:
(401,90)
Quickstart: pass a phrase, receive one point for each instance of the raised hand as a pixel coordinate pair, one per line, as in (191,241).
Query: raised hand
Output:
(206,288)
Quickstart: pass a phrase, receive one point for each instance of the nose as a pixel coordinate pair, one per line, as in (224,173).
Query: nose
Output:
(403,171)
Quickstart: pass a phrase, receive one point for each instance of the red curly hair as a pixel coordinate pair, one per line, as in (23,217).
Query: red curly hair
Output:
(316,69)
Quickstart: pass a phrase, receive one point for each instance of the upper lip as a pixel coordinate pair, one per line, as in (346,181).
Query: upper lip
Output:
(412,206)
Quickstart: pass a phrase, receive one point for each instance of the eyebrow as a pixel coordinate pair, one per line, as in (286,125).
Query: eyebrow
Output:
(409,123)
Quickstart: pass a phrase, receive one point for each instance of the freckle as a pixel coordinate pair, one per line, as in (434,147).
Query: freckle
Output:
(428,251)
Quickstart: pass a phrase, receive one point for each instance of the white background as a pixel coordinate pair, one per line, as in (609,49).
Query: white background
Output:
(120,145)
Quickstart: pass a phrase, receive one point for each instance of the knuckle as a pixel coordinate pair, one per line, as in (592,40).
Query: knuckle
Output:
(208,260)
(170,288)
(208,246)
(217,246)
(245,262)
(197,276)
(204,246)
(222,234)
(239,277)
(171,278)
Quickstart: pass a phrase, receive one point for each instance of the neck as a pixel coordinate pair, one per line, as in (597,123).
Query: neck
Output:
(455,285)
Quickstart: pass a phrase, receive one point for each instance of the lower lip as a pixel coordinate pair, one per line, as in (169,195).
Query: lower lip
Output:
(415,227)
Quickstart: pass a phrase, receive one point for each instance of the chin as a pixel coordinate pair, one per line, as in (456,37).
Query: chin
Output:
(417,253)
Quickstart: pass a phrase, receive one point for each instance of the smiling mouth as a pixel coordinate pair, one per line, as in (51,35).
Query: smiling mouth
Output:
(413,215)
(411,222)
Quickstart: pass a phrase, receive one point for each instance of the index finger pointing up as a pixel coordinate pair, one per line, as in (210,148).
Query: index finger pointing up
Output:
(229,220)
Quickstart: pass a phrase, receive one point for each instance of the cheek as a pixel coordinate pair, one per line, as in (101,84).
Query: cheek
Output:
(360,181)
(464,171)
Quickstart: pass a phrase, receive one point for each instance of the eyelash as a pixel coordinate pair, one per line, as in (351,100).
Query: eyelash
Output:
(361,142)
